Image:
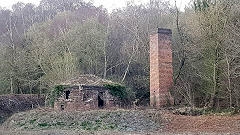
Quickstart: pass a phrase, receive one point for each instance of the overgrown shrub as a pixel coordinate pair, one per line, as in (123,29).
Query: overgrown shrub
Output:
(55,93)
(122,92)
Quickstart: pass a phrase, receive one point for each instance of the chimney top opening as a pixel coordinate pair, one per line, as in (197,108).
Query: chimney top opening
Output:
(164,31)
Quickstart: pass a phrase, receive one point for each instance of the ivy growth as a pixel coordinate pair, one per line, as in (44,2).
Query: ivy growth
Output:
(117,90)
(56,92)
(121,92)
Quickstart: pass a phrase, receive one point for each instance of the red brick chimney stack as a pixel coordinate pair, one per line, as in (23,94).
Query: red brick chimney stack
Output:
(161,71)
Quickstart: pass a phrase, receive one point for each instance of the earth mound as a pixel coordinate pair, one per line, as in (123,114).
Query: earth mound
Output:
(94,120)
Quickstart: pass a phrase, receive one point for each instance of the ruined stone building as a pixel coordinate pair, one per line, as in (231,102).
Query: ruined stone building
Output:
(84,93)
(161,70)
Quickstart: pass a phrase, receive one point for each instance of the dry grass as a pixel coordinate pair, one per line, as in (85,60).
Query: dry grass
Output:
(86,122)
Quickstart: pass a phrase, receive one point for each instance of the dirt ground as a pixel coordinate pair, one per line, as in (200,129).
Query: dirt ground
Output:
(205,124)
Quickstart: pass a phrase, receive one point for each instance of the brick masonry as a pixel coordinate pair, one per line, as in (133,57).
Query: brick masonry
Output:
(87,98)
(161,70)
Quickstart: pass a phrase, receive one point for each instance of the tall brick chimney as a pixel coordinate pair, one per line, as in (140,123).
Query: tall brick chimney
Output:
(161,70)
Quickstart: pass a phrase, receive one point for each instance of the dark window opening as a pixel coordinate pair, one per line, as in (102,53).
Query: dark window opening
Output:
(62,107)
(67,94)
(100,102)
(84,97)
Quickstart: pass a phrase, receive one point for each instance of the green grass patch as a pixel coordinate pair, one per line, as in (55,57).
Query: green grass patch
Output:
(112,126)
(60,123)
(87,125)
(97,125)
(32,121)
(20,124)
(75,123)
(44,125)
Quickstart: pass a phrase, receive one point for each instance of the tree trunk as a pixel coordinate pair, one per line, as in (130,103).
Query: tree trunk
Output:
(11,84)
(229,81)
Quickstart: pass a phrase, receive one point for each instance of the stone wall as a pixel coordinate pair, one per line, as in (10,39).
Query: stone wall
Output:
(10,104)
(161,71)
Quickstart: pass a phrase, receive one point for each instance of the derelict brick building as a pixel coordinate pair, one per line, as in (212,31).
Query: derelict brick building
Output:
(85,93)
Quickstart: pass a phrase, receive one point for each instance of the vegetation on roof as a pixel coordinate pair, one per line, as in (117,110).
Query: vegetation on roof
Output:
(120,91)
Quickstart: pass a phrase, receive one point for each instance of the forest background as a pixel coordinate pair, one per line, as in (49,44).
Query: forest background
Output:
(42,46)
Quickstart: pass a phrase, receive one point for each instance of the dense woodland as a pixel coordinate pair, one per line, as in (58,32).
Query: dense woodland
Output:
(44,45)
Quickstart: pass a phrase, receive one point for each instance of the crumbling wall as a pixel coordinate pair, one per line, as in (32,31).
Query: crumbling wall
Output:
(85,99)
(10,104)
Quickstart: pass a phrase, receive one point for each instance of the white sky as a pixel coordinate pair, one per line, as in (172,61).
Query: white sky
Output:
(109,4)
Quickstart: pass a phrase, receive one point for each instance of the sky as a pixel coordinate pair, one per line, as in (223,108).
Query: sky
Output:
(109,4)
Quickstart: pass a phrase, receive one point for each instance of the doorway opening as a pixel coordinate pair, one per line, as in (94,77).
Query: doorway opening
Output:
(100,102)
(67,94)
(62,107)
